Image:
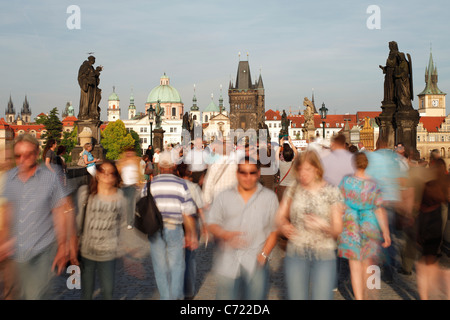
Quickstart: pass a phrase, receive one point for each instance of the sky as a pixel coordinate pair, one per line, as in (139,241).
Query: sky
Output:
(298,47)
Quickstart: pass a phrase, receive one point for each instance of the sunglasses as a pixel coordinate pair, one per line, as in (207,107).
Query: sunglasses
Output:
(248,172)
(25,155)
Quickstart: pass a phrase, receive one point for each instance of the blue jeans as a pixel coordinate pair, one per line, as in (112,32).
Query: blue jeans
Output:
(190,273)
(36,276)
(106,272)
(167,253)
(304,274)
(245,286)
(130,194)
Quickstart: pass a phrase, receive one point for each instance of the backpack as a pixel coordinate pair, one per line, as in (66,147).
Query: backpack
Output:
(147,218)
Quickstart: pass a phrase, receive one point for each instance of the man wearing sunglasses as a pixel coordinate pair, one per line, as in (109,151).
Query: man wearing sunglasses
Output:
(242,221)
(42,221)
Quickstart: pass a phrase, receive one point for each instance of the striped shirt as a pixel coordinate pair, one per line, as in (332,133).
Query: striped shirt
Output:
(172,197)
(32,204)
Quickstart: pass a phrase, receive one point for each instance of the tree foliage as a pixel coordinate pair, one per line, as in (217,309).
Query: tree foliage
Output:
(53,125)
(137,142)
(69,141)
(115,138)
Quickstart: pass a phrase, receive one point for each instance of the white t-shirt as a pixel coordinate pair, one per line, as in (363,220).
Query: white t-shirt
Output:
(156,158)
(130,175)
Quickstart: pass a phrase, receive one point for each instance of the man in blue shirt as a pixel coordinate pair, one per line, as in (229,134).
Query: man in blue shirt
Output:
(384,168)
(42,220)
(242,220)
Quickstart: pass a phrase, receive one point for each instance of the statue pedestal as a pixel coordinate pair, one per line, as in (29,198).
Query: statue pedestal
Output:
(93,126)
(158,139)
(385,122)
(406,130)
(88,132)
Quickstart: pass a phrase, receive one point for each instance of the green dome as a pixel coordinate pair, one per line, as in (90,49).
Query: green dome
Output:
(165,93)
(113,96)
(212,107)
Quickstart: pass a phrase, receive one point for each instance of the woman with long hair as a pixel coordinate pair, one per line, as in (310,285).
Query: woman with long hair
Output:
(49,155)
(89,159)
(365,230)
(101,218)
(310,217)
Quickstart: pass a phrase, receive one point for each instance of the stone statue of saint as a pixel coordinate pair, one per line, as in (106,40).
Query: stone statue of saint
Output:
(185,124)
(284,123)
(388,71)
(90,96)
(158,113)
(309,113)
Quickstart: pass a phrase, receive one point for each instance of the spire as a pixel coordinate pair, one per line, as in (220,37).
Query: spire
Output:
(243,78)
(312,100)
(132,98)
(220,100)
(10,109)
(194,102)
(26,107)
(431,78)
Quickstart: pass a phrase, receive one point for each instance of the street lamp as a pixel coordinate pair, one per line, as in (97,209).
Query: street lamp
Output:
(151,118)
(323,115)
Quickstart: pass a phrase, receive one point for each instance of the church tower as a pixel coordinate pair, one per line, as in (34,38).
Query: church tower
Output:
(26,112)
(131,107)
(247,110)
(10,112)
(195,110)
(431,99)
(113,106)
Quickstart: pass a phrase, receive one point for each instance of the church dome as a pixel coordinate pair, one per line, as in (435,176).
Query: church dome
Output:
(113,96)
(165,93)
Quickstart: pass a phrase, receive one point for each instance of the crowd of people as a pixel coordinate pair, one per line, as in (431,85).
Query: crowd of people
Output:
(324,206)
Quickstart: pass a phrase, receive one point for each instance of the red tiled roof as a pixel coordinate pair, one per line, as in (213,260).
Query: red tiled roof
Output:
(4,124)
(69,120)
(270,114)
(371,114)
(432,124)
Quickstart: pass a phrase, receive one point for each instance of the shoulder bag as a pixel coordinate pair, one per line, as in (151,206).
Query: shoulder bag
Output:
(147,218)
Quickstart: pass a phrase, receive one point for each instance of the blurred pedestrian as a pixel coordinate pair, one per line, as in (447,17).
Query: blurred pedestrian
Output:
(175,203)
(310,217)
(42,220)
(220,175)
(148,168)
(285,158)
(196,159)
(365,226)
(49,155)
(150,152)
(242,220)
(190,274)
(61,163)
(430,276)
(129,167)
(156,162)
(336,165)
(101,223)
(384,168)
(7,268)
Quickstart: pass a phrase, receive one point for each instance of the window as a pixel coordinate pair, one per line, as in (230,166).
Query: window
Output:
(206,118)
(270,125)
(174,112)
